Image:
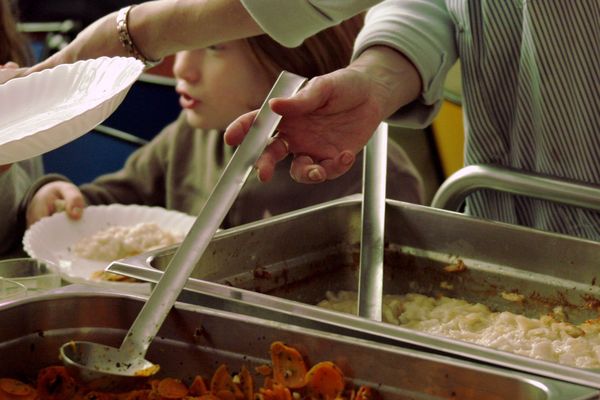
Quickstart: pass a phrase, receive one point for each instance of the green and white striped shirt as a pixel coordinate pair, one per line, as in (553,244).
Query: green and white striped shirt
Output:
(531,84)
(531,87)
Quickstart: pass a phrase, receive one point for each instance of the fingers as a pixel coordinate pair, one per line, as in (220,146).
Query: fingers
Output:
(342,164)
(10,64)
(74,202)
(311,97)
(237,130)
(277,149)
(305,170)
(53,196)
(7,74)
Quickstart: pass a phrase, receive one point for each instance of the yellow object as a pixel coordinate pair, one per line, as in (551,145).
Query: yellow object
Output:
(448,127)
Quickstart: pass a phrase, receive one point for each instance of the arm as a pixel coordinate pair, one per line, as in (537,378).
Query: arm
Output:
(291,21)
(14,184)
(160,28)
(424,33)
(332,118)
(401,60)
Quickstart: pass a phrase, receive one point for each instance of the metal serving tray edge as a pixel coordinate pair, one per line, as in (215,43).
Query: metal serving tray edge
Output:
(195,340)
(509,243)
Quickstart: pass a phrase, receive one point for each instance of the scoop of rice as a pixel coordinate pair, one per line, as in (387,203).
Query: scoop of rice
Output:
(118,242)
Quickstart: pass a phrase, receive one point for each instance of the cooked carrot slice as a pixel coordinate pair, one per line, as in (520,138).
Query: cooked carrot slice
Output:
(281,392)
(225,395)
(198,387)
(246,384)
(277,392)
(288,365)
(93,395)
(263,370)
(325,381)
(171,388)
(54,383)
(268,384)
(221,381)
(366,393)
(208,396)
(140,394)
(16,388)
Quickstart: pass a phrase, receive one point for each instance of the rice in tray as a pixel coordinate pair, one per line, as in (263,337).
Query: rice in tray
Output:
(549,337)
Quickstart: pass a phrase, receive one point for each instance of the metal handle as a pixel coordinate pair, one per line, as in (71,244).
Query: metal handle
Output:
(182,264)
(370,281)
(458,186)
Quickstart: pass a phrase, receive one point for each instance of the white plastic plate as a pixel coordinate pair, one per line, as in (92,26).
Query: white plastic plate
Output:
(47,109)
(51,238)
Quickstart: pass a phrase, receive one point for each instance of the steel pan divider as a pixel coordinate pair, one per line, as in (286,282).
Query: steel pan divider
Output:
(370,281)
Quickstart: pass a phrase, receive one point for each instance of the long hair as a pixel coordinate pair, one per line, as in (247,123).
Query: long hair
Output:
(322,53)
(13,45)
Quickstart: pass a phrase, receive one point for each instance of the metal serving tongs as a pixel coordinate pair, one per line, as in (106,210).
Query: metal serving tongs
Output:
(108,367)
(370,282)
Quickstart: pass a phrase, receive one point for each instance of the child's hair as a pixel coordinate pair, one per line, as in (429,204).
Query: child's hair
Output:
(13,45)
(320,54)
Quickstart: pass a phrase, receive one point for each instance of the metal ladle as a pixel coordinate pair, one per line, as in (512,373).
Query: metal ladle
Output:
(108,367)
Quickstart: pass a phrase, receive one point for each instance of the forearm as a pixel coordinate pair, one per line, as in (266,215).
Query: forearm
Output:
(396,80)
(289,22)
(160,28)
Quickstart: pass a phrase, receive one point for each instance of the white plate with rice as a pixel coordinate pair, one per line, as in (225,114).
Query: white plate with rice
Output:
(80,250)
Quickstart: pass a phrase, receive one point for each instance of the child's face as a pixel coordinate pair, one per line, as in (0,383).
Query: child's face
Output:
(219,83)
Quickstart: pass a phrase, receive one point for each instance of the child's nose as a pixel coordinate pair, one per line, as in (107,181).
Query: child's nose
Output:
(186,67)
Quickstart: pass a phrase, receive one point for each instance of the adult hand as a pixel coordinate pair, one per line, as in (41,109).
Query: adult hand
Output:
(333,117)
(10,70)
(54,197)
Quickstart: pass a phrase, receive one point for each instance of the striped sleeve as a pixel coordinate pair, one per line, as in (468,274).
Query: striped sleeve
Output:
(423,31)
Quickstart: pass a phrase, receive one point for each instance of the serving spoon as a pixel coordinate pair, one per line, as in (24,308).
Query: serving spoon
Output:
(106,367)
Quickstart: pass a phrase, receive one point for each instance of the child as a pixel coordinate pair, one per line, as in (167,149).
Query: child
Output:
(180,166)
(15,179)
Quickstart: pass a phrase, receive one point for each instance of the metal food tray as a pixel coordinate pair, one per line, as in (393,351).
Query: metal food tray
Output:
(195,340)
(280,267)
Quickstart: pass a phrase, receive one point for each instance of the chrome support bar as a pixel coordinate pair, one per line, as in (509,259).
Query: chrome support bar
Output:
(370,281)
(458,186)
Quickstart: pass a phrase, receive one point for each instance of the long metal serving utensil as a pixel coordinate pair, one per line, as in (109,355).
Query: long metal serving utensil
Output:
(109,367)
(370,283)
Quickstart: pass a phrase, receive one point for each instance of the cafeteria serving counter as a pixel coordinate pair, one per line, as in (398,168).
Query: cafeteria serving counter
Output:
(195,340)
(280,268)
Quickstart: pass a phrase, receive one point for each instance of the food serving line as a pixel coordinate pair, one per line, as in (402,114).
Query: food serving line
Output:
(262,283)
(262,269)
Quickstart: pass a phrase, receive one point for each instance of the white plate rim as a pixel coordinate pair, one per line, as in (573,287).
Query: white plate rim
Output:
(57,263)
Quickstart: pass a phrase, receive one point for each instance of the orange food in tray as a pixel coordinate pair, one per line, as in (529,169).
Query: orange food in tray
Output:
(287,378)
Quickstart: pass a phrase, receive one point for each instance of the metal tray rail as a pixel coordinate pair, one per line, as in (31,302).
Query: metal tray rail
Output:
(548,269)
(454,190)
(195,340)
